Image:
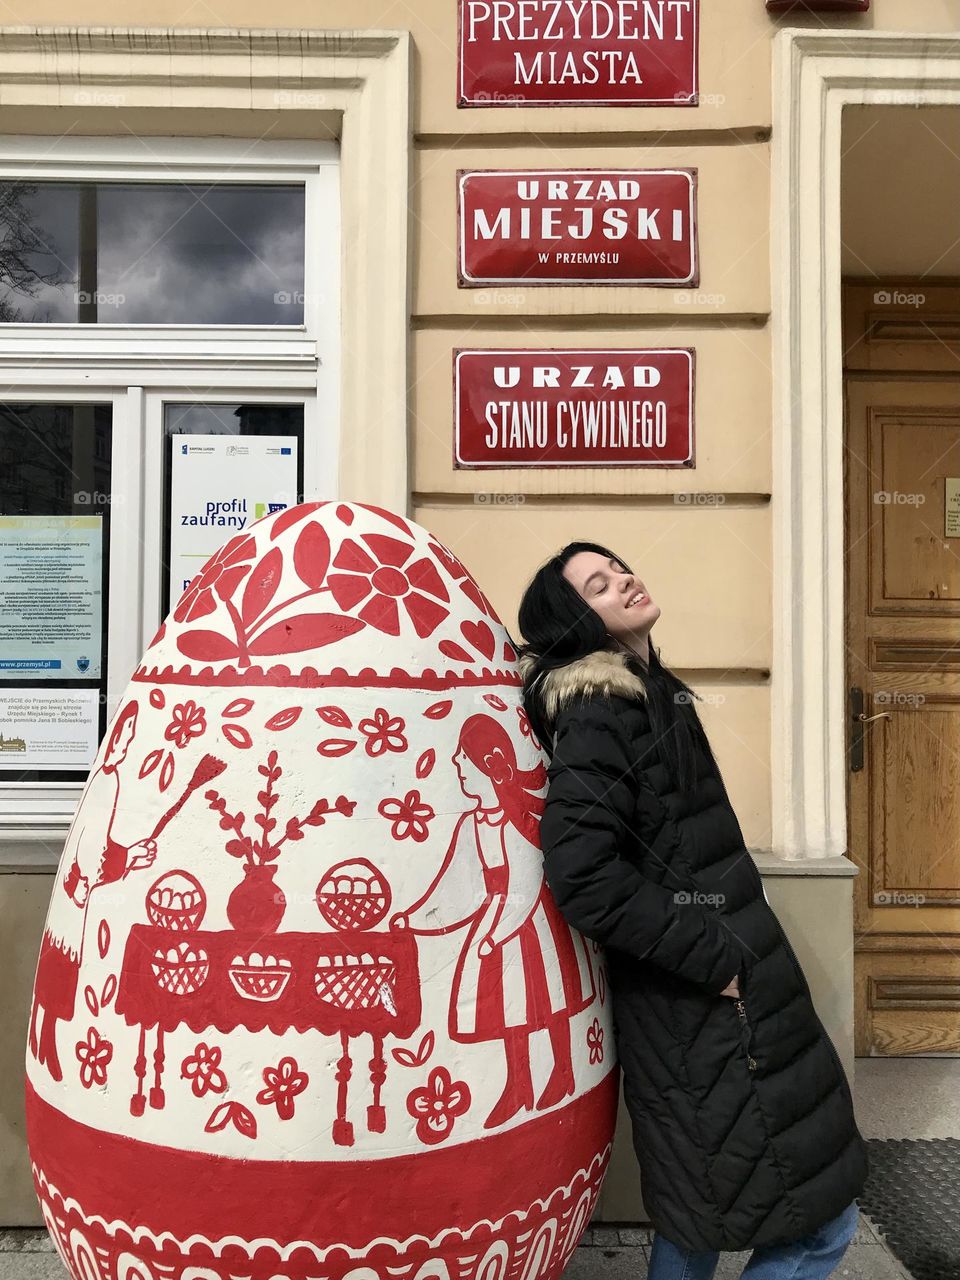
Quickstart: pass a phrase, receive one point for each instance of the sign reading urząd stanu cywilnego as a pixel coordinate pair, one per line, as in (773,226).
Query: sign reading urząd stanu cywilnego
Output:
(573,408)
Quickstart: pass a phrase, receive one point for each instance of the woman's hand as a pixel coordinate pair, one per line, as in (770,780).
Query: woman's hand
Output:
(732,988)
(81,891)
(144,852)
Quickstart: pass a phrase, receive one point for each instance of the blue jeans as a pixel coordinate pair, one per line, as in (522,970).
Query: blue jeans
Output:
(812,1257)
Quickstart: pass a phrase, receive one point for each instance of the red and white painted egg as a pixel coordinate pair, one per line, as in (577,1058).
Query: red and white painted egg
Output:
(304,1004)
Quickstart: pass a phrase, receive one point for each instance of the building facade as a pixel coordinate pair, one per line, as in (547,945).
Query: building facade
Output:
(217,227)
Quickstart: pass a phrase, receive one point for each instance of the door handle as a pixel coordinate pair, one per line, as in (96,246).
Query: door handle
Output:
(859,719)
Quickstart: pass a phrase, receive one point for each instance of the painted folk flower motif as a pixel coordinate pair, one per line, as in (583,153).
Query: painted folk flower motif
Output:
(437,1105)
(595,1041)
(383,733)
(263,618)
(283,1082)
(188,721)
(375,579)
(461,575)
(381,572)
(408,817)
(222,574)
(202,1068)
(93,1054)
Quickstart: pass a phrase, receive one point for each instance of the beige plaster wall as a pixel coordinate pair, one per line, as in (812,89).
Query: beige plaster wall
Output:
(23,907)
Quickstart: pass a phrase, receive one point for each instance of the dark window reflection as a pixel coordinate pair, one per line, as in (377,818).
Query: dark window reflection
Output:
(55,461)
(151,253)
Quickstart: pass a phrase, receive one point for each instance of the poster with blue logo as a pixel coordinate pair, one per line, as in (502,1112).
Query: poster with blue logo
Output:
(51,597)
(219,485)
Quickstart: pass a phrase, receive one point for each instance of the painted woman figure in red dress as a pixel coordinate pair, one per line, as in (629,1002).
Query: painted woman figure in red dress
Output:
(521,967)
(97,859)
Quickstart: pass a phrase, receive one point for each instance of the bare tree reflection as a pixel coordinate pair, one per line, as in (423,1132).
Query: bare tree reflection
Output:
(28,261)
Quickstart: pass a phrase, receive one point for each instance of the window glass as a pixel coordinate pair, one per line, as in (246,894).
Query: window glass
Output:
(55,512)
(151,253)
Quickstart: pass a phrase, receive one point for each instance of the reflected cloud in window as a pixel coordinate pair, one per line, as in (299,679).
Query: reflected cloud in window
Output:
(151,253)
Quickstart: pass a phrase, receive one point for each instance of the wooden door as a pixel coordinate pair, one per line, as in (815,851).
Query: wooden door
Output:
(901,474)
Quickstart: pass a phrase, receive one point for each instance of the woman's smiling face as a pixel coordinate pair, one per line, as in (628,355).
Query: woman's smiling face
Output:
(613,592)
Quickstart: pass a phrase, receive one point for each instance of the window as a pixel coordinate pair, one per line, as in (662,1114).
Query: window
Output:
(155,295)
(54,584)
(151,252)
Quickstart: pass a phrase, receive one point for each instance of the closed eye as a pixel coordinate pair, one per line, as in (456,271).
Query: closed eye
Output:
(620,569)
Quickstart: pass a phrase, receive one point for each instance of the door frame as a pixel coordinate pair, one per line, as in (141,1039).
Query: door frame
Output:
(815,75)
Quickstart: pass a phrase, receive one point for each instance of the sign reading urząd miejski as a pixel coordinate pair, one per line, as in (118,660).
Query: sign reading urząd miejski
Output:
(577,226)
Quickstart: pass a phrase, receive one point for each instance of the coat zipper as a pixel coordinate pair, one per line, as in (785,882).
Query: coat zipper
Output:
(745,1033)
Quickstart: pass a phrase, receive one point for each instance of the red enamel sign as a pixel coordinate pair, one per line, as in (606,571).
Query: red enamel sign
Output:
(566,52)
(577,226)
(573,408)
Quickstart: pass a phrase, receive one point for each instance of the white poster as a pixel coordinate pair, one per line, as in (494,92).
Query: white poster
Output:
(48,728)
(51,597)
(219,486)
(951,507)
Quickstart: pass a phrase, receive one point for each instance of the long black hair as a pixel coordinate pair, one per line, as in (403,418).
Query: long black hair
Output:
(559,626)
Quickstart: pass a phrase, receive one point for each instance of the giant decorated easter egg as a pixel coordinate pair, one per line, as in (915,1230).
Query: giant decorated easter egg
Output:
(304,1005)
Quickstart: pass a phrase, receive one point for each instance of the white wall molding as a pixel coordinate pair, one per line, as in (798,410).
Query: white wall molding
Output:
(815,75)
(360,79)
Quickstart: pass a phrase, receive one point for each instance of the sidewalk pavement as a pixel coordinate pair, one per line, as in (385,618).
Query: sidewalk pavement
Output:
(604,1253)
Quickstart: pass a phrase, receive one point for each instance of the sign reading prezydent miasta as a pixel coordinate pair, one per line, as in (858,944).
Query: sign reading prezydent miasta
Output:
(607,53)
(573,408)
(577,226)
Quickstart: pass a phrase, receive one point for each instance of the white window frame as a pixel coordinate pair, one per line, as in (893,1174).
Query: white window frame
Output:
(137,368)
(191,160)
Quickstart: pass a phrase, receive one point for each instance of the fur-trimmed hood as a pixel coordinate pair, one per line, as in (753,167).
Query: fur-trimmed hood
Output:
(604,671)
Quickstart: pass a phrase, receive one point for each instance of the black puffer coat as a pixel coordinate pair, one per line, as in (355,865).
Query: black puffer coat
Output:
(744,1129)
